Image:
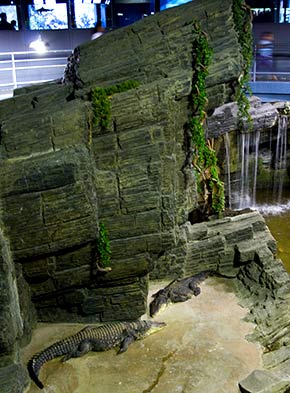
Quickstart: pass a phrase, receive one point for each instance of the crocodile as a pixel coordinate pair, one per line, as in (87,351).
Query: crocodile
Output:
(100,338)
(179,290)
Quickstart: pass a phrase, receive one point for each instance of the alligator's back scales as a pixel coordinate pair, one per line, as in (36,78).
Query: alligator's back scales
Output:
(180,290)
(99,338)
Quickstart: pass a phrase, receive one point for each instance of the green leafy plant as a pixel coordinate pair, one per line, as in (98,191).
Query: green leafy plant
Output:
(101,101)
(103,248)
(204,157)
(243,26)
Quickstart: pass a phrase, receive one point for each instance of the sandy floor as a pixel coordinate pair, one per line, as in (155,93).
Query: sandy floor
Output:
(201,350)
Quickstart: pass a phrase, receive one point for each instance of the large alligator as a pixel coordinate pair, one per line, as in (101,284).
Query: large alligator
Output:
(179,290)
(101,338)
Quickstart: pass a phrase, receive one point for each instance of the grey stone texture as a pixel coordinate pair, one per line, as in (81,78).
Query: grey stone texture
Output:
(242,247)
(61,175)
(16,320)
(264,287)
(225,117)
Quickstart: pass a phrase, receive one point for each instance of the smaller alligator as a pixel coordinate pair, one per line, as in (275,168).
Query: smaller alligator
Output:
(179,290)
(101,338)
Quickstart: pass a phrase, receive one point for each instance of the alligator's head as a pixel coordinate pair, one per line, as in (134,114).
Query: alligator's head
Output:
(159,302)
(155,327)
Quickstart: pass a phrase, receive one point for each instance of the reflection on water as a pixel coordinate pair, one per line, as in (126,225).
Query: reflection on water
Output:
(277,217)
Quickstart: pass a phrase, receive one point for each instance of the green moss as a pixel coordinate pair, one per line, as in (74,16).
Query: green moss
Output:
(101,101)
(205,165)
(243,26)
(103,247)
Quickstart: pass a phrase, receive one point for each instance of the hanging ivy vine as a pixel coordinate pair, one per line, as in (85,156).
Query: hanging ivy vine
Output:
(204,157)
(101,101)
(243,26)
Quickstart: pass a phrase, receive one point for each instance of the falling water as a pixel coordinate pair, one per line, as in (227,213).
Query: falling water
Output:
(228,167)
(244,193)
(257,141)
(249,154)
(280,159)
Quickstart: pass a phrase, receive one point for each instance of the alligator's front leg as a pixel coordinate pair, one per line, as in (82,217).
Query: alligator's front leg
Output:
(84,347)
(194,288)
(125,343)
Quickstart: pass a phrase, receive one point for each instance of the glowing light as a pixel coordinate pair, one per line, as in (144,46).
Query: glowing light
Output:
(38,45)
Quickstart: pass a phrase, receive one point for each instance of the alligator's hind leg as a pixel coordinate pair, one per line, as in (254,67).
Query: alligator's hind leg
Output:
(84,347)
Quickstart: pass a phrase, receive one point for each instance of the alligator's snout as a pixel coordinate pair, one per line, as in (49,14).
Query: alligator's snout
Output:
(155,327)
(157,304)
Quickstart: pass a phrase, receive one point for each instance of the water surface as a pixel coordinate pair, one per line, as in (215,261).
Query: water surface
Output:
(277,217)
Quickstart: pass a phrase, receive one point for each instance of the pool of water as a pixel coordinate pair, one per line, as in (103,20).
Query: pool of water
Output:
(277,216)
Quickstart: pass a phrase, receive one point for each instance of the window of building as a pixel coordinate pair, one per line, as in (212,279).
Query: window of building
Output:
(284,14)
(85,14)
(129,11)
(48,16)
(164,4)
(10,13)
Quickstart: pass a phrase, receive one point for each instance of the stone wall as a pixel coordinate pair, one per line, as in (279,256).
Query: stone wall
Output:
(222,245)
(15,329)
(61,175)
(241,247)
(264,287)
(161,47)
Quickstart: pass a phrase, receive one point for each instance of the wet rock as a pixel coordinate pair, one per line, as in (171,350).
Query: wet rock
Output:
(225,118)
(13,378)
(261,381)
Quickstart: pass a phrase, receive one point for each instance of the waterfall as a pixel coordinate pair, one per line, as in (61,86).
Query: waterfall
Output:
(257,142)
(242,183)
(228,168)
(248,155)
(280,159)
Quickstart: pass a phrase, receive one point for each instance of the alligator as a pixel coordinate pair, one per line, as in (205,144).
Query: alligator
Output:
(179,290)
(100,338)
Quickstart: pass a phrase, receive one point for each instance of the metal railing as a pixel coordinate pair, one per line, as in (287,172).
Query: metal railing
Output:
(18,69)
(280,70)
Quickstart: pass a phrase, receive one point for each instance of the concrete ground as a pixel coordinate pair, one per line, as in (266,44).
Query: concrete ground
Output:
(202,349)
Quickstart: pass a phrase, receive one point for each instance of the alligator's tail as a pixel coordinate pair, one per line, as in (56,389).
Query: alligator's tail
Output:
(219,274)
(60,348)
(34,366)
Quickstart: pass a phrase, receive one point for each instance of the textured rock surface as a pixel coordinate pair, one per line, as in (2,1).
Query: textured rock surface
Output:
(221,245)
(61,175)
(13,325)
(131,52)
(225,118)
(264,287)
